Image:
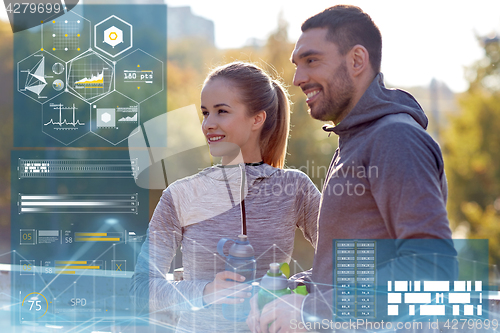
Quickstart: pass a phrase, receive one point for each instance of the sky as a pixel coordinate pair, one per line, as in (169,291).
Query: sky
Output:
(421,39)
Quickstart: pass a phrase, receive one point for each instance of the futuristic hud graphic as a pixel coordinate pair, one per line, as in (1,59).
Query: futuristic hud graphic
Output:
(85,82)
(92,137)
(85,79)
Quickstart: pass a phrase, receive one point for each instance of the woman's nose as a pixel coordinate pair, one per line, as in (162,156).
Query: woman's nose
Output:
(209,123)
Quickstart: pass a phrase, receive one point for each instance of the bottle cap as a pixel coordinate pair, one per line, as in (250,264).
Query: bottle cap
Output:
(274,279)
(241,248)
(274,268)
(285,269)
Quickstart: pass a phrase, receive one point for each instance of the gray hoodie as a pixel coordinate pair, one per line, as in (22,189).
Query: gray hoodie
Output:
(386,181)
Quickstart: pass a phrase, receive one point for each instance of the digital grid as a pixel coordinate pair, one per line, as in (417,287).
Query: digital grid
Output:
(66,35)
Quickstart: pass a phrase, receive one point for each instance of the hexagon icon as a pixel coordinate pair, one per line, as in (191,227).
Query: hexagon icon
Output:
(67,36)
(90,76)
(37,79)
(66,118)
(105,118)
(139,75)
(113,36)
(114,117)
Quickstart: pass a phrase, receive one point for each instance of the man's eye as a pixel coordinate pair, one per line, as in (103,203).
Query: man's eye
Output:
(310,60)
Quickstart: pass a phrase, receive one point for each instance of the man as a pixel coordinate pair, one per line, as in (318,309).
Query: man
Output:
(386,179)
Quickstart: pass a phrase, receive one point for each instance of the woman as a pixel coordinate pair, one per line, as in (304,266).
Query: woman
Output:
(246,122)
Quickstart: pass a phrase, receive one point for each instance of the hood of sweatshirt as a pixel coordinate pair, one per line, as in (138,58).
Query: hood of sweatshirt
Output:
(232,173)
(378,102)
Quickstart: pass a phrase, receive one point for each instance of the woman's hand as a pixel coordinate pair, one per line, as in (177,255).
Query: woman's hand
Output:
(278,315)
(253,319)
(229,292)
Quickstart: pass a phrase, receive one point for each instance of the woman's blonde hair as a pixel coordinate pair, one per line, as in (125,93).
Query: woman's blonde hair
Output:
(259,92)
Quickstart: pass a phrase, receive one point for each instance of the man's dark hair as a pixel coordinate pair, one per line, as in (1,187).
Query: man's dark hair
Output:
(349,26)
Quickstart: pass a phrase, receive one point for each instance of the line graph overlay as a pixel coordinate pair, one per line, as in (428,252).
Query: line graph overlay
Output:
(60,122)
(66,118)
(90,76)
(115,117)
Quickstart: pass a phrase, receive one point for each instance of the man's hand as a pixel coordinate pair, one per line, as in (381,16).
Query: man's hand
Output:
(221,291)
(281,314)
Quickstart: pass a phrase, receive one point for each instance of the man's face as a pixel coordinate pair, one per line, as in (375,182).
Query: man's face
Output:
(322,73)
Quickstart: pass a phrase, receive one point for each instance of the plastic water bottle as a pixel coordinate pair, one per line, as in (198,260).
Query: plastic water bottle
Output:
(273,285)
(240,260)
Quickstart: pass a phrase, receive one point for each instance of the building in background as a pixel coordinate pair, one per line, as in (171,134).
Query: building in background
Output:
(182,23)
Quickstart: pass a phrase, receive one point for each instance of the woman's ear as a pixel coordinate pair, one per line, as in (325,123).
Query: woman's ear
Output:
(258,120)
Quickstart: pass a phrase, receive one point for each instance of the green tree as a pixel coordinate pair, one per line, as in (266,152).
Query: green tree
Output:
(472,152)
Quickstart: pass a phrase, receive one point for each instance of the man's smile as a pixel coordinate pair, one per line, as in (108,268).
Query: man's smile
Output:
(311,92)
(311,96)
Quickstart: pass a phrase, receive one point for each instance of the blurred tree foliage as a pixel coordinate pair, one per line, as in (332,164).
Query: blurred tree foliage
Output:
(472,152)
(6,134)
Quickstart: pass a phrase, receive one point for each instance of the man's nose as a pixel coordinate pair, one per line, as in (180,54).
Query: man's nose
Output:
(299,77)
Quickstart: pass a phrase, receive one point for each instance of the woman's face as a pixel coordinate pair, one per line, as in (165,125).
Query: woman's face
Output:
(226,123)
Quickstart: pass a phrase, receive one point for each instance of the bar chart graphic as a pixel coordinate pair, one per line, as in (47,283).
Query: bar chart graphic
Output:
(77,266)
(77,168)
(98,236)
(78,203)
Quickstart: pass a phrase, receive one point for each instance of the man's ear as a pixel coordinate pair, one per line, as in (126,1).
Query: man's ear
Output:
(358,60)
(258,120)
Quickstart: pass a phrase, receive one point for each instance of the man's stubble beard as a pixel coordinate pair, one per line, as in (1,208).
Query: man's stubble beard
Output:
(337,97)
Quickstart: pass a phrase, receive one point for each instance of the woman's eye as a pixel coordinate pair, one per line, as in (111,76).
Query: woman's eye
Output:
(222,111)
(204,113)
